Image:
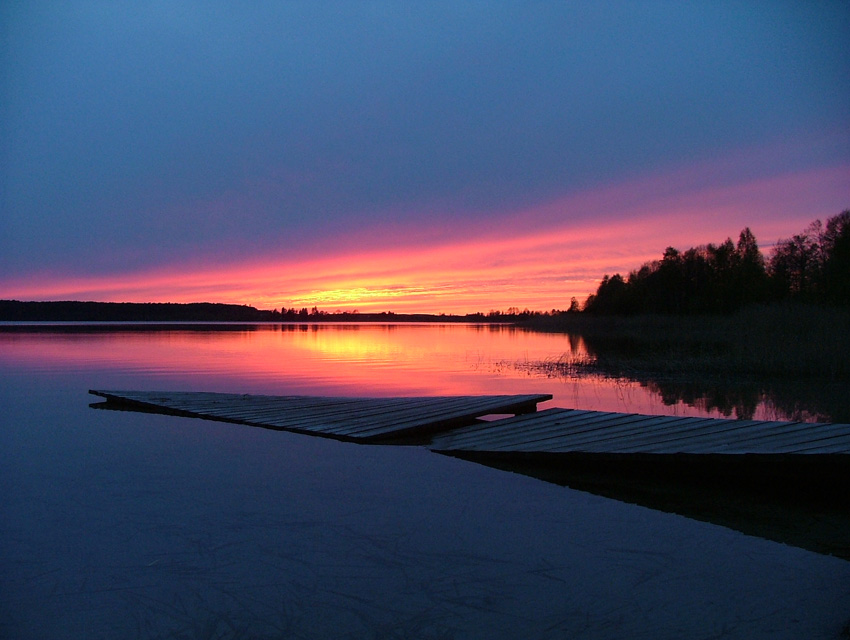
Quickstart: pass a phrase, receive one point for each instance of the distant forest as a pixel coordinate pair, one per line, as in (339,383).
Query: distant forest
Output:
(71,311)
(811,267)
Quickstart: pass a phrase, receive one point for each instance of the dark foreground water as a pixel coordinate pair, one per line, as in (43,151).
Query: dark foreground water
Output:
(130,525)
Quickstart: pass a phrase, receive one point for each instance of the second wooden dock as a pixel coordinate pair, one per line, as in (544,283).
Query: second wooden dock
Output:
(575,431)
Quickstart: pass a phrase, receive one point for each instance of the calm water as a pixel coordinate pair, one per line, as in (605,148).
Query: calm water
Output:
(364,360)
(129,525)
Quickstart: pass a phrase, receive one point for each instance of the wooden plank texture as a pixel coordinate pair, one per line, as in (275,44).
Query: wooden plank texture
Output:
(571,431)
(352,419)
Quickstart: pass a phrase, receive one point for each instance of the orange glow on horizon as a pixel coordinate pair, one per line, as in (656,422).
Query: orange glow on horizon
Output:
(536,259)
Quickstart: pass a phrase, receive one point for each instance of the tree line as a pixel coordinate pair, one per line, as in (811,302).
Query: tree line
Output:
(164,312)
(74,311)
(812,267)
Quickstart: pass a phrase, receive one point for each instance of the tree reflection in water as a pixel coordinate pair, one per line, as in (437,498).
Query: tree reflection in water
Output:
(803,401)
(694,374)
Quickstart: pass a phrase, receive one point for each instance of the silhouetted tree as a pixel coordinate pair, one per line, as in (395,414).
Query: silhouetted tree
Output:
(610,297)
(749,280)
(668,282)
(814,266)
(797,263)
(836,269)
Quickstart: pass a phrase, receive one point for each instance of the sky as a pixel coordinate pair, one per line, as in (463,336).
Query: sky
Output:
(409,157)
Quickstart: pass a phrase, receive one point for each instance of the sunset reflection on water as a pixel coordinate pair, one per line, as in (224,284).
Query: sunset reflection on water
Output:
(365,359)
(335,359)
(368,359)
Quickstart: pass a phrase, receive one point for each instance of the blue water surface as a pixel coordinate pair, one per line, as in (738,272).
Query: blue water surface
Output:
(131,525)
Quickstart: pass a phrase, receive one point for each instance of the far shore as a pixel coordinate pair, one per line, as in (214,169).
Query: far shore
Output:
(776,340)
(207,312)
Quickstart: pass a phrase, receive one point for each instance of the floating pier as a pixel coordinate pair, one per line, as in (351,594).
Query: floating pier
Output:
(595,451)
(350,419)
(598,432)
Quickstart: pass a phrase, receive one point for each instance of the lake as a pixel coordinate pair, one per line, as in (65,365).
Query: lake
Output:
(132,525)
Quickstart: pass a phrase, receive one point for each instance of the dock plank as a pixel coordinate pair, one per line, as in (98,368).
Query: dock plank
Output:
(614,425)
(450,413)
(352,419)
(387,417)
(559,431)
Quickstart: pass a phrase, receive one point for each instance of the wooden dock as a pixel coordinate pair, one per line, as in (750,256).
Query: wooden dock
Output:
(592,448)
(350,419)
(456,421)
(597,432)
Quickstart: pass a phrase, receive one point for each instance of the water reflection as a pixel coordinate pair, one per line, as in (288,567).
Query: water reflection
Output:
(141,525)
(728,394)
(403,359)
(803,401)
(802,502)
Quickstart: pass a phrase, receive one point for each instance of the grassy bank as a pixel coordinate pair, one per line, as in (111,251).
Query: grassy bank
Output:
(777,341)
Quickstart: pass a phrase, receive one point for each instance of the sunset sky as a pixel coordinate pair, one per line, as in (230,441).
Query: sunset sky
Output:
(392,156)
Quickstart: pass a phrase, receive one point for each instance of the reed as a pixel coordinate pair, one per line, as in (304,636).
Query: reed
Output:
(775,341)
